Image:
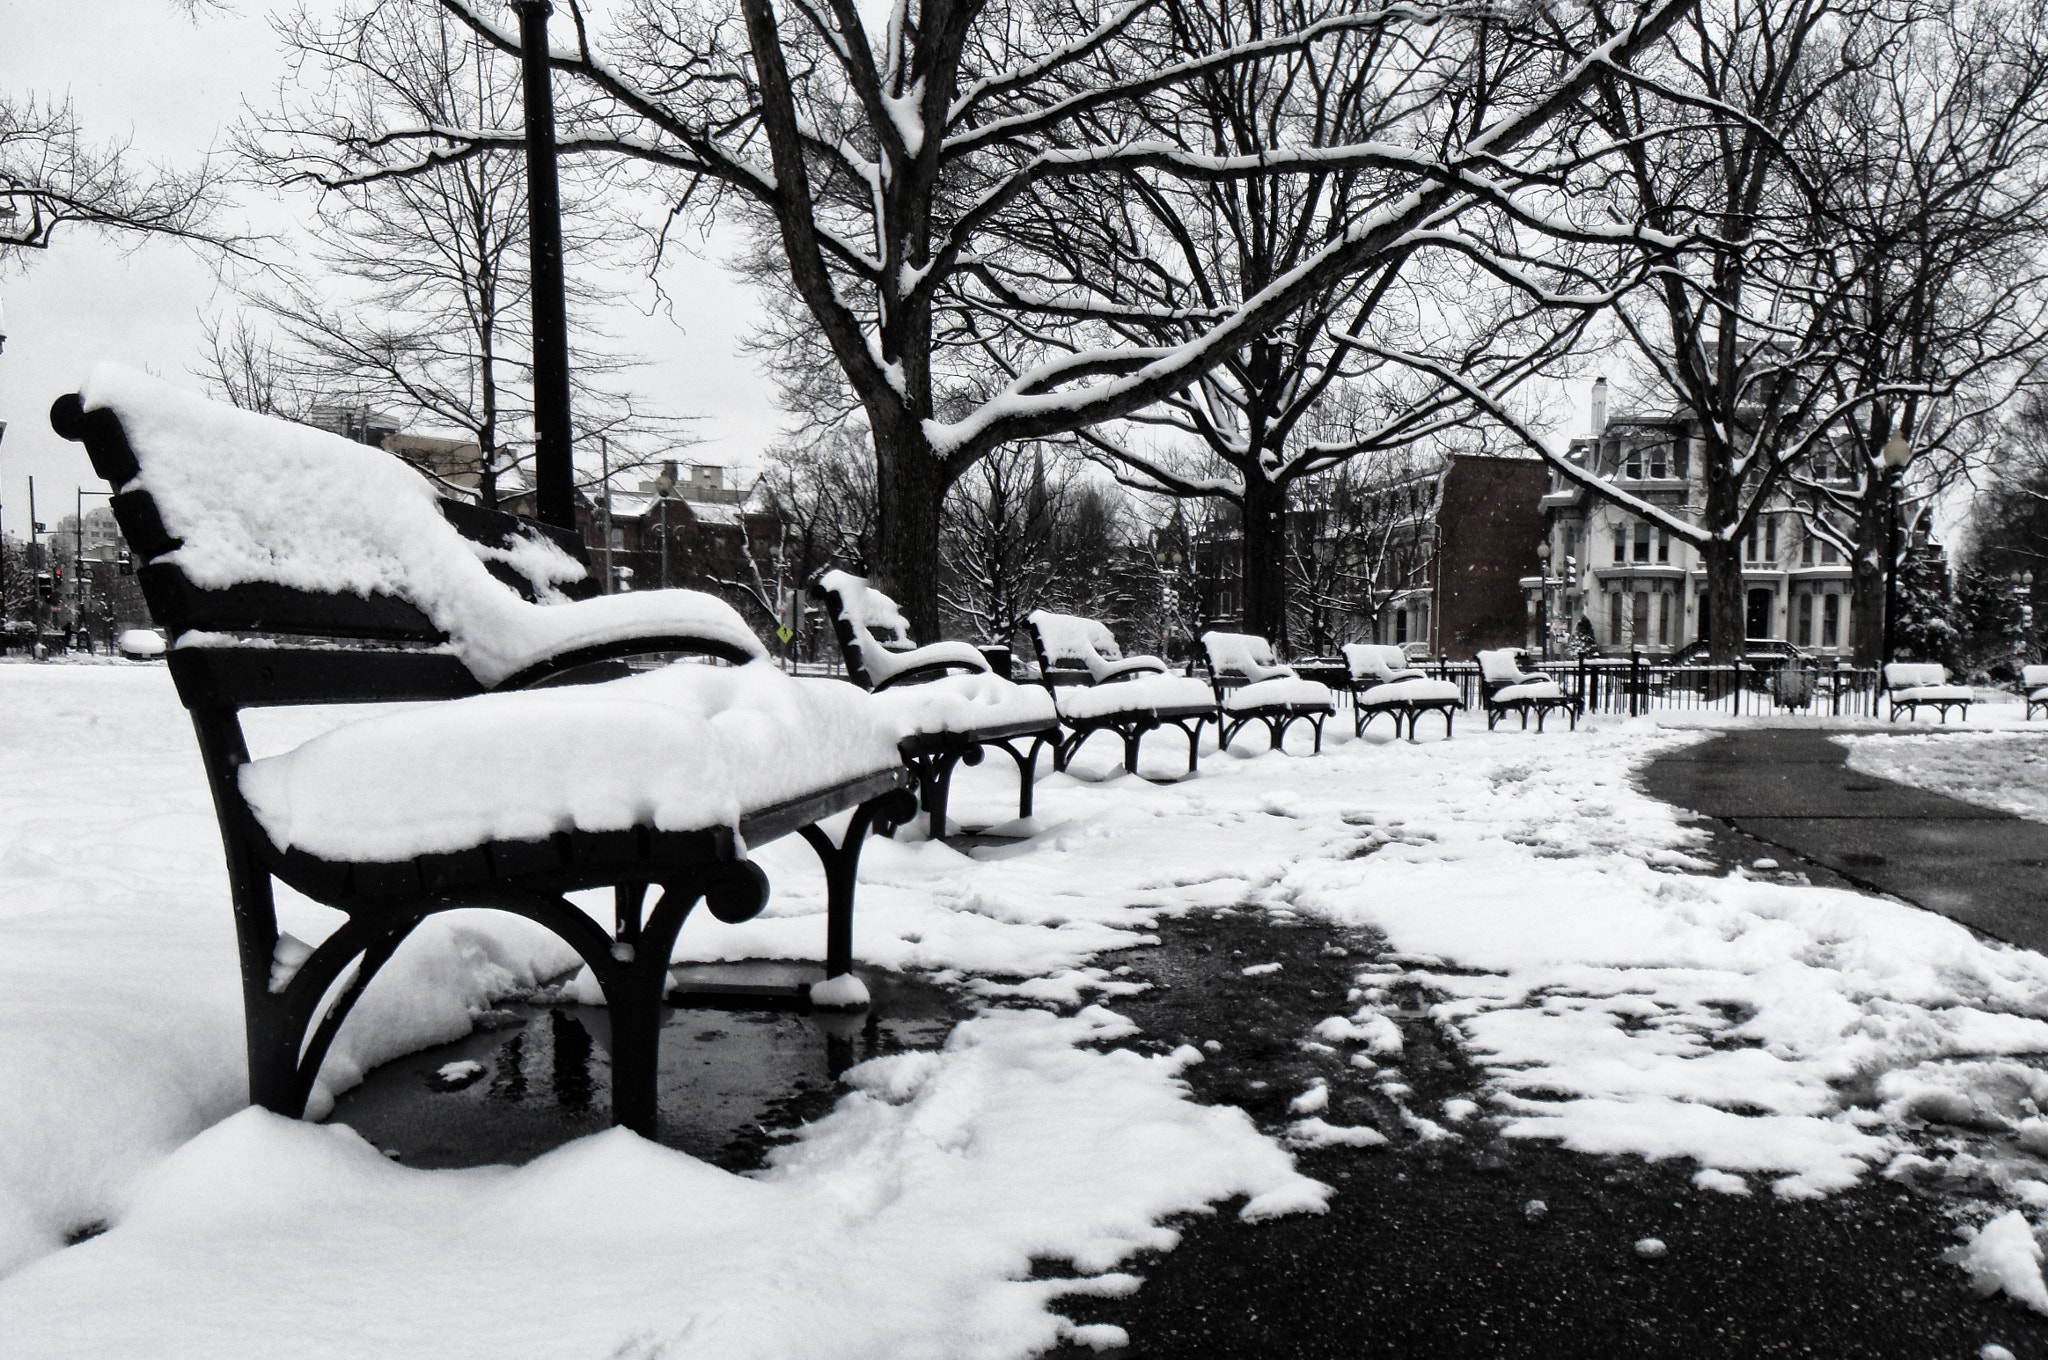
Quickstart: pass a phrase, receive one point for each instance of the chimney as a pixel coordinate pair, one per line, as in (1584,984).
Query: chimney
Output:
(1599,407)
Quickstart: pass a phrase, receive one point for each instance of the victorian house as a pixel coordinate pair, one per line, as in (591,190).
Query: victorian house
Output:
(1633,587)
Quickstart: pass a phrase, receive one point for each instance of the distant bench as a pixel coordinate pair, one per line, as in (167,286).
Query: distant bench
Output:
(1913,685)
(1252,687)
(1382,681)
(1096,688)
(291,566)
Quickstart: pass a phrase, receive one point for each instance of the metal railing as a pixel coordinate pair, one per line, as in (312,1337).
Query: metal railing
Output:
(1634,685)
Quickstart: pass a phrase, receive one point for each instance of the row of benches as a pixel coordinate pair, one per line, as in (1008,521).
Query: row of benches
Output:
(292,567)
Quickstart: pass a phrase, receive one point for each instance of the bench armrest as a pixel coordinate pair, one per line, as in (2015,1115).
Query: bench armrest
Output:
(931,661)
(554,639)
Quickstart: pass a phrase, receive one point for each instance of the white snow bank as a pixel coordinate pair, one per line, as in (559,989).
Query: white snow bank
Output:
(904,1224)
(120,1001)
(2007,770)
(255,498)
(681,748)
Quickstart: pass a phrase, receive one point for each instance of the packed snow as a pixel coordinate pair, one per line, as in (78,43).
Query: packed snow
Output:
(1521,897)
(2005,769)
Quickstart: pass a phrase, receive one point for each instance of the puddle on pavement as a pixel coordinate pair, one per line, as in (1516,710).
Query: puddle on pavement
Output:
(734,1073)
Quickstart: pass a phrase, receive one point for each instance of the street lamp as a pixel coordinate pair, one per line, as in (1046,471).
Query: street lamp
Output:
(1896,454)
(1166,551)
(2023,596)
(664,484)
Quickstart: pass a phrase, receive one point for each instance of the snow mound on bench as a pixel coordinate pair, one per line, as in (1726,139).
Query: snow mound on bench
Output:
(961,704)
(256,499)
(1139,694)
(682,748)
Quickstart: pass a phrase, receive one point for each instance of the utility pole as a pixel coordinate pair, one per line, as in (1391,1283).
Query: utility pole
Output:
(78,567)
(35,562)
(604,505)
(554,482)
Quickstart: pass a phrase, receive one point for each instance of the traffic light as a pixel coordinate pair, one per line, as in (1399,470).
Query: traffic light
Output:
(46,586)
(127,563)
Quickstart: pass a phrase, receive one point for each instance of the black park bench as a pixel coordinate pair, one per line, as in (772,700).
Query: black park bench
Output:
(290,566)
(1252,687)
(942,699)
(1096,688)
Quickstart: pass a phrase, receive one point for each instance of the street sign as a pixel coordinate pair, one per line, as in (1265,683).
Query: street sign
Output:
(782,633)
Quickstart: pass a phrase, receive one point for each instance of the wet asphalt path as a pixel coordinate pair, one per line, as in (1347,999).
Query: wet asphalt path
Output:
(1792,789)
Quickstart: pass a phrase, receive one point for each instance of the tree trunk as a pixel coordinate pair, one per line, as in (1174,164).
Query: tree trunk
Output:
(1265,561)
(910,488)
(1726,624)
(1722,559)
(1868,602)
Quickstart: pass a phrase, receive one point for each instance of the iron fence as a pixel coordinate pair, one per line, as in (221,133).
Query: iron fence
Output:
(1636,685)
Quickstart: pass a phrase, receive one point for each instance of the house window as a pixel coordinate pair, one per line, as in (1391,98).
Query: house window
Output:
(1806,551)
(1635,462)
(1621,543)
(1749,544)
(1640,629)
(1614,618)
(1771,538)
(1642,543)
(1831,620)
(1400,625)
(1664,601)
(1663,545)
(1657,463)
(1571,543)
(1829,553)
(1806,620)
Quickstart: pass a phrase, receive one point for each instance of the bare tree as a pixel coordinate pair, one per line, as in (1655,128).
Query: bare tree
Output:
(244,365)
(421,300)
(52,176)
(1931,179)
(883,159)
(1148,262)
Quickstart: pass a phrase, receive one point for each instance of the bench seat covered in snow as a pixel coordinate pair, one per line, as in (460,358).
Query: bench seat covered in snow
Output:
(291,566)
(1096,688)
(942,701)
(1382,681)
(1252,687)
(1504,687)
(2034,685)
(1912,684)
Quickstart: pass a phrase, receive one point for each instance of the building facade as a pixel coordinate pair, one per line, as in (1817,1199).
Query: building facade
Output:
(1628,585)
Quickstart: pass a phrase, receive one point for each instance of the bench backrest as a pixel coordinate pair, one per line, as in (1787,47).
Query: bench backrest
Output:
(1914,674)
(1071,642)
(1374,660)
(2033,677)
(1241,654)
(1501,668)
(290,565)
(872,632)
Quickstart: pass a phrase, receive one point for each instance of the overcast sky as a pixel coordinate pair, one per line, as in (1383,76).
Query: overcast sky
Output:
(138,69)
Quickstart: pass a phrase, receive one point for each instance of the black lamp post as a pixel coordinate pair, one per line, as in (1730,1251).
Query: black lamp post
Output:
(1896,454)
(554,481)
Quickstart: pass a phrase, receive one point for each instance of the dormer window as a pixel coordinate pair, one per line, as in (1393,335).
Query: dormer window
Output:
(1658,469)
(1635,463)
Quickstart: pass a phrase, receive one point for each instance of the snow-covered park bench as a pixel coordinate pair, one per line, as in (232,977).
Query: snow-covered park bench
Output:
(1382,681)
(1096,688)
(290,566)
(1913,684)
(1251,687)
(1504,687)
(942,701)
(2034,685)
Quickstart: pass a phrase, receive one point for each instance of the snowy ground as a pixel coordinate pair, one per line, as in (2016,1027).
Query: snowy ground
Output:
(2005,768)
(1784,1038)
